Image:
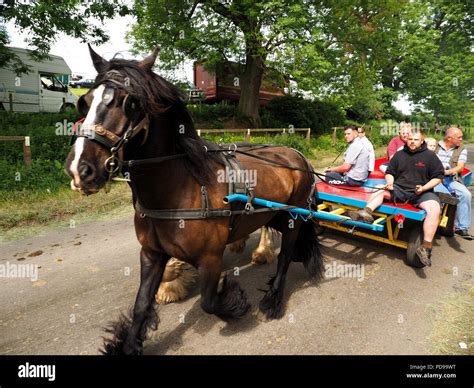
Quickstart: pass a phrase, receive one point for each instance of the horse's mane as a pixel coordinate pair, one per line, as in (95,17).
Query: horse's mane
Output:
(157,96)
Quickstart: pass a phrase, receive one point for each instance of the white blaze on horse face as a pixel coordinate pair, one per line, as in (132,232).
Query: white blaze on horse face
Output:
(79,144)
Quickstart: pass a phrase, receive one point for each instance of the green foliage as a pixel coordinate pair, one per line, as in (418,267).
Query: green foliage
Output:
(214,115)
(437,60)
(49,134)
(320,116)
(42,175)
(295,141)
(49,140)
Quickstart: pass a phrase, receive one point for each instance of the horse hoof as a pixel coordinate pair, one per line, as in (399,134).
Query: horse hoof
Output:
(263,256)
(177,280)
(261,316)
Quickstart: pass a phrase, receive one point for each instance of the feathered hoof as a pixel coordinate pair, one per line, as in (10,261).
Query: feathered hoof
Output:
(176,283)
(263,255)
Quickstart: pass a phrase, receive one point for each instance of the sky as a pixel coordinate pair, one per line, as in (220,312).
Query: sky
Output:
(76,53)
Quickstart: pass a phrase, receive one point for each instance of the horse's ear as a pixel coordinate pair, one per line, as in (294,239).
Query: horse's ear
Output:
(149,61)
(97,60)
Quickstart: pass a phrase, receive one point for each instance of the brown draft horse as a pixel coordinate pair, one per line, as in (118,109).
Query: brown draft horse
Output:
(134,114)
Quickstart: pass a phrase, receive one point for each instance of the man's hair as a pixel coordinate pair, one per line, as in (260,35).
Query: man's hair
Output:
(351,127)
(450,130)
(404,125)
(417,131)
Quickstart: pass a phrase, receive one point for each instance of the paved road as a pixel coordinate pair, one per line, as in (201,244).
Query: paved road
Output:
(89,274)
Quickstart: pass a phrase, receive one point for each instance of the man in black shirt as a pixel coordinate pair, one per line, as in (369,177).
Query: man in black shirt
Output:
(410,178)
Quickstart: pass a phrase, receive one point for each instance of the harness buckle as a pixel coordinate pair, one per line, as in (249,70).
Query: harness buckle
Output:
(231,151)
(112,164)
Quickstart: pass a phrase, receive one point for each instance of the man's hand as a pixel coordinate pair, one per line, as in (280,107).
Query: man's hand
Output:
(389,187)
(418,189)
(328,169)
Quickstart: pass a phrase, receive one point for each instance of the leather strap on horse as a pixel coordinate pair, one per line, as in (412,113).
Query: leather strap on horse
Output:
(202,213)
(100,134)
(197,214)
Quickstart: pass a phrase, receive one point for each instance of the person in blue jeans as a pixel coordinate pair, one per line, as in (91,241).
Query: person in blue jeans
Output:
(453,155)
(355,169)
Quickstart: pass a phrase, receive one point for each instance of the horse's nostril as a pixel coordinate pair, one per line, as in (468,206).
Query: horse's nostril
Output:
(86,171)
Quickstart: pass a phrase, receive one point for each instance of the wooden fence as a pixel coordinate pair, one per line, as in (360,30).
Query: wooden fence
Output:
(26,146)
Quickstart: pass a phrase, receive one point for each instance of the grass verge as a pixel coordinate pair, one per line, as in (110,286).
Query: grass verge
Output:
(453,329)
(31,213)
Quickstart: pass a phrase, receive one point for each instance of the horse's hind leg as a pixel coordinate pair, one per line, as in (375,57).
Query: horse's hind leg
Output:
(228,303)
(298,244)
(178,279)
(129,337)
(264,253)
(271,306)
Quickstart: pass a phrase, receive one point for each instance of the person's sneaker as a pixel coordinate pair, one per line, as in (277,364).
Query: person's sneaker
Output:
(361,215)
(464,234)
(424,254)
(448,198)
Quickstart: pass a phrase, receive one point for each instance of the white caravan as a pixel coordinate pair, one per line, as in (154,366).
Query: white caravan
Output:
(38,91)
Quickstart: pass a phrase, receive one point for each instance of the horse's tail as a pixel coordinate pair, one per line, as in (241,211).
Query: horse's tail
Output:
(307,250)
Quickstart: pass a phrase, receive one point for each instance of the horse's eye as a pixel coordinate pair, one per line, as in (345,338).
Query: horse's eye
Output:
(82,106)
(108,96)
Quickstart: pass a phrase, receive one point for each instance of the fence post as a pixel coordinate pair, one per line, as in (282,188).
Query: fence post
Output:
(334,136)
(247,135)
(308,136)
(10,100)
(27,151)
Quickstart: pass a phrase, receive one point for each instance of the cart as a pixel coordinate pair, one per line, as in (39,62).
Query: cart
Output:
(399,225)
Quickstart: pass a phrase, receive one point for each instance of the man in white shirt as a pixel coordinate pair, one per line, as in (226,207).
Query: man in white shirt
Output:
(368,144)
(355,169)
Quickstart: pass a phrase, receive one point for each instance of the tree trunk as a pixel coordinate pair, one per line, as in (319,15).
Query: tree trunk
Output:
(250,83)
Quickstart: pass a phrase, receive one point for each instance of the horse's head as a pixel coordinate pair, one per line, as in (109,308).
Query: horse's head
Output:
(115,110)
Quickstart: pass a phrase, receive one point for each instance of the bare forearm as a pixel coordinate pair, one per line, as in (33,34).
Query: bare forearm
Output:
(340,169)
(456,170)
(432,183)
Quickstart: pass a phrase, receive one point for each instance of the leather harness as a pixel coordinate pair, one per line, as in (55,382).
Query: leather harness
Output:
(98,133)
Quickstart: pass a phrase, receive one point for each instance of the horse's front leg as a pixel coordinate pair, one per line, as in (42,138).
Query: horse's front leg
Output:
(152,266)
(231,301)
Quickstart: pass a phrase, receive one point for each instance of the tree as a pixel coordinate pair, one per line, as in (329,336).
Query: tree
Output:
(437,63)
(209,31)
(355,48)
(44,19)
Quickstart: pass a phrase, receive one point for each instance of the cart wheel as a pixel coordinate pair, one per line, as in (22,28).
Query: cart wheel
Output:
(415,239)
(449,230)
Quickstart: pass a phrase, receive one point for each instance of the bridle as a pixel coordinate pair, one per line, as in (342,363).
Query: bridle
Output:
(103,136)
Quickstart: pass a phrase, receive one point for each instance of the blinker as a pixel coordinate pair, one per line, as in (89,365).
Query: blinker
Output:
(108,96)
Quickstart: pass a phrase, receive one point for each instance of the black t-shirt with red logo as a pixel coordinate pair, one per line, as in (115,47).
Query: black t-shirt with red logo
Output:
(415,168)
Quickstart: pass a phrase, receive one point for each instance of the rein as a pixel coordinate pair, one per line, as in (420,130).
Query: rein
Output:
(157,160)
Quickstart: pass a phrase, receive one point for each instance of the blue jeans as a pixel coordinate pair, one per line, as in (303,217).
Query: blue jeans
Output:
(463,210)
(334,178)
